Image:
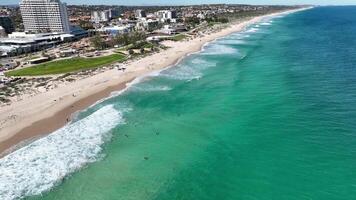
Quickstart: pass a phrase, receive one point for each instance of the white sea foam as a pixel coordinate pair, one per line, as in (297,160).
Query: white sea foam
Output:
(136,81)
(232,41)
(252,30)
(182,72)
(200,63)
(218,49)
(193,69)
(188,71)
(44,163)
(150,88)
(266,23)
(236,34)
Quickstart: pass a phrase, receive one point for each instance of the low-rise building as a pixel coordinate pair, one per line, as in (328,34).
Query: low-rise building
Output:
(67,52)
(116,30)
(20,42)
(78,32)
(171,30)
(147,25)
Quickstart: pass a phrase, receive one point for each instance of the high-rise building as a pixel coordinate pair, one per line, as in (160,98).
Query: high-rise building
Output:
(44,16)
(140,13)
(113,13)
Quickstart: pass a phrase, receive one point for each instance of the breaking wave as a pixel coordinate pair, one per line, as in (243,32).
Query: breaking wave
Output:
(218,49)
(232,41)
(252,30)
(182,72)
(192,69)
(43,164)
(149,88)
(266,23)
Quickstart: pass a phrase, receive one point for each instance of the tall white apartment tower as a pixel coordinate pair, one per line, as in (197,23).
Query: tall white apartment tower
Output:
(44,16)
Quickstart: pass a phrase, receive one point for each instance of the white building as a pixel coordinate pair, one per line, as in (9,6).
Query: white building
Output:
(100,16)
(20,42)
(117,30)
(44,16)
(165,15)
(146,24)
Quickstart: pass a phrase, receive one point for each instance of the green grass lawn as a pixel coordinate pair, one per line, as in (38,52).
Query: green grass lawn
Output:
(178,37)
(67,65)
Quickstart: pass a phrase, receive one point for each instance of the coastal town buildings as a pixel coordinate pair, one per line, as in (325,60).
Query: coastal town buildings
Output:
(49,19)
(46,25)
(44,16)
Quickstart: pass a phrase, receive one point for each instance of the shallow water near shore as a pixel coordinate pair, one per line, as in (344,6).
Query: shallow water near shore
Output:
(267,113)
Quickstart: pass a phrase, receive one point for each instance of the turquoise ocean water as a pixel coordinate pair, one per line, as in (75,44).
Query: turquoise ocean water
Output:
(267,113)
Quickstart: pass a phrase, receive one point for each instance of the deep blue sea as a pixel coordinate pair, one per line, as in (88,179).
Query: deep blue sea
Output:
(267,113)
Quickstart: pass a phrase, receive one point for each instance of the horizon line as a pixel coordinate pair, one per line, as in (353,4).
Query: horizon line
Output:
(185,4)
(142,5)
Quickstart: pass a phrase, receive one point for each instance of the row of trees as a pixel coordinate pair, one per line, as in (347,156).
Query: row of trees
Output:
(129,38)
(217,19)
(121,39)
(192,22)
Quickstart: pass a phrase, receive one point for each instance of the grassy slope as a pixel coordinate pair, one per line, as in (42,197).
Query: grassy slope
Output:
(178,37)
(67,65)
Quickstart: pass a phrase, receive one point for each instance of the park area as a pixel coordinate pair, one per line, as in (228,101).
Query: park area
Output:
(67,65)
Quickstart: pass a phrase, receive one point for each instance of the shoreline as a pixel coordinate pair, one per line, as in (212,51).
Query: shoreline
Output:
(38,116)
(54,122)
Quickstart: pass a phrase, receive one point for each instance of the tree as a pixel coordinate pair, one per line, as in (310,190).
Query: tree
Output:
(223,20)
(129,38)
(85,25)
(98,42)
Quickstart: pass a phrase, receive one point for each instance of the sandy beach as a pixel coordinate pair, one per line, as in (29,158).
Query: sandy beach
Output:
(36,116)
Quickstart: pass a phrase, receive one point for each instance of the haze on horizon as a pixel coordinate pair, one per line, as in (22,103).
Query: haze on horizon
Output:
(190,2)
